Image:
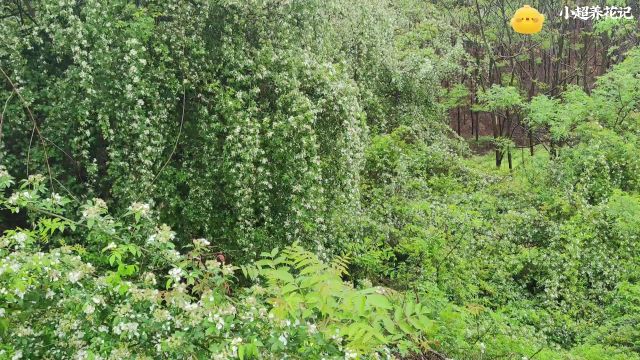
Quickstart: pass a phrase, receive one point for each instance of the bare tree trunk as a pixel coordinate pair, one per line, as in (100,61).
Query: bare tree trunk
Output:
(496,135)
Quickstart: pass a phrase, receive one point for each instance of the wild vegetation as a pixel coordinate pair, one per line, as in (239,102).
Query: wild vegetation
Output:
(267,179)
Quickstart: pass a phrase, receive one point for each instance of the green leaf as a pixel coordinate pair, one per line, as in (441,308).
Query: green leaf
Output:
(389,325)
(379,301)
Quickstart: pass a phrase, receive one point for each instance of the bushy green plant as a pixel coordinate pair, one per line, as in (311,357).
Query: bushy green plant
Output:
(105,287)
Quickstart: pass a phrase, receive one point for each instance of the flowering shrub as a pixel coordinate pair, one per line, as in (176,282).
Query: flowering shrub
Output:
(125,291)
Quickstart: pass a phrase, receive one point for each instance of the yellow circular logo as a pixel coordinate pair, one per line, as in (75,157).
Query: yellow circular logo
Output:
(527,20)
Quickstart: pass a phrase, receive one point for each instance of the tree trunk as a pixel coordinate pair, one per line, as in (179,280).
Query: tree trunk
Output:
(459,124)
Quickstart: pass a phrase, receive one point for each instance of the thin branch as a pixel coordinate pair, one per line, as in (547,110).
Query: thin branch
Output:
(175,145)
(4,110)
(36,129)
(33,132)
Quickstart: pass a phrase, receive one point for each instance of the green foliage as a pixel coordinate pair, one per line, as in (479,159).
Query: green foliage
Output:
(499,98)
(315,127)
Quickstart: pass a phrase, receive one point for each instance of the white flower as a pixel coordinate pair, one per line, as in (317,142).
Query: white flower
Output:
(89,309)
(56,198)
(201,242)
(13,199)
(227,270)
(219,321)
(2,312)
(140,208)
(17,355)
(130,329)
(3,171)
(150,278)
(74,276)
(349,354)
(176,274)
(111,245)
(283,339)
(190,306)
(20,239)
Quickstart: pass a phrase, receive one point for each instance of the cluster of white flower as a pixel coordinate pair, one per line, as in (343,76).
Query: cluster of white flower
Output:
(130,329)
(283,339)
(98,207)
(219,320)
(227,270)
(350,354)
(89,309)
(176,274)
(3,172)
(20,239)
(56,198)
(142,209)
(13,199)
(201,242)
(74,276)
(149,278)
(36,179)
(234,346)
